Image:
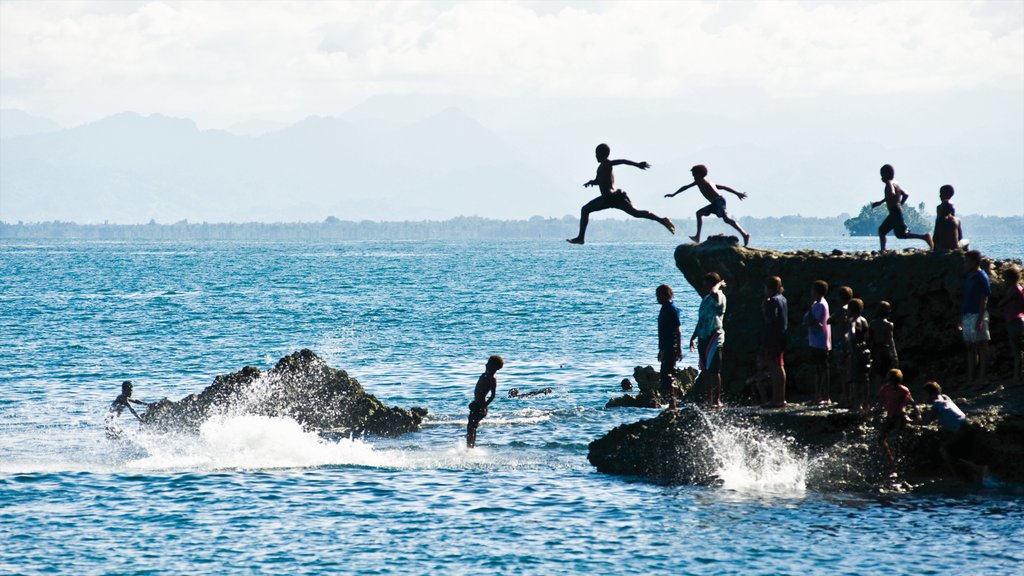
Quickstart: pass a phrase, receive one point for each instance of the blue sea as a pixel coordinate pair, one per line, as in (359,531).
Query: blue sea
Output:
(414,322)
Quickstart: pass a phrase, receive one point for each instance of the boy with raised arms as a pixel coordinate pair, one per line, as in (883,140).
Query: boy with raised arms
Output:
(612,197)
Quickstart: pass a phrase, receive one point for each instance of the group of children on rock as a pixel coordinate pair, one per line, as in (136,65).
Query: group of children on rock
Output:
(865,352)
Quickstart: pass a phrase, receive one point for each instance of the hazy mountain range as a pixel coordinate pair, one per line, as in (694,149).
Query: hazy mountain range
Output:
(416,158)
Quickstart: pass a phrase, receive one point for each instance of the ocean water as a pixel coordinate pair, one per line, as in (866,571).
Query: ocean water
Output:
(415,323)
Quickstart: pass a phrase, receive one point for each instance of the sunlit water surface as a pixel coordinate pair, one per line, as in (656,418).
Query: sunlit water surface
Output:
(414,322)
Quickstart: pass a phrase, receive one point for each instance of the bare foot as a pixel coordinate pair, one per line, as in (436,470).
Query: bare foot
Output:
(576,240)
(746,240)
(695,239)
(668,224)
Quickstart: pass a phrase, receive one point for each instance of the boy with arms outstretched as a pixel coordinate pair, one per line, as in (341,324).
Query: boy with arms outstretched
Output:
(717,201)
(894,200)
(612,197)
(483,395)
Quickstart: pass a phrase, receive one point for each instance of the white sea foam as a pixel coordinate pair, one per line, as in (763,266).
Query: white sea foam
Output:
(254,442)
(750,459)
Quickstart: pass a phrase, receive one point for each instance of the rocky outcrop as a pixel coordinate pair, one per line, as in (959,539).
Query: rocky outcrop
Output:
(923,288)
(647,380)
(839,447)
(301,386)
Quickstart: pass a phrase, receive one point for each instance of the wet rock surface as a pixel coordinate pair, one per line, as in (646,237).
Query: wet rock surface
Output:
(301,386)
(840,447)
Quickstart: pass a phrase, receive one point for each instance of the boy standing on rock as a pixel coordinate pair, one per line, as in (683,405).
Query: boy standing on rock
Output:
(612,197)
(669,343)
(883,342)
(820,340)
(894,200)
(483,395)
(717,201)
(858,338)
(775,311)
(840,324)
(974,316)
(709,333)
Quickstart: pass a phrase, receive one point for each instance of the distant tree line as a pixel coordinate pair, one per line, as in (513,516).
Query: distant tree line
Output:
(919,220)
(472,227)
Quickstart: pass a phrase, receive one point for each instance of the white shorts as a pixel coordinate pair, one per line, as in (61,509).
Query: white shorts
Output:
(972,334)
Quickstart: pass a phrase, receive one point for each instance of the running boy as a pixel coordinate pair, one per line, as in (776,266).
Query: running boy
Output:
(717,201)
(894,200)
(612,197)
(483,395)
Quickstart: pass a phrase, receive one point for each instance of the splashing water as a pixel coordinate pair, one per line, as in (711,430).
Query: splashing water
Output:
(752,459)
(254,442)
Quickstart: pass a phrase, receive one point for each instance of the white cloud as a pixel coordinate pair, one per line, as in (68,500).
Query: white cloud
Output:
(225,62)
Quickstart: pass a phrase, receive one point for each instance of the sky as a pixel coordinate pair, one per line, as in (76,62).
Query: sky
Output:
(228,64)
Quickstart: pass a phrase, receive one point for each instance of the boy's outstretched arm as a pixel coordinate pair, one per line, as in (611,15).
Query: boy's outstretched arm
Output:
(740,195)
(640,165)
(690,185)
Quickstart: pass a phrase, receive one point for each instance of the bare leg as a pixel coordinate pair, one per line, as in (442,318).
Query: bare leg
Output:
(982,360)
(734,224)
(972,358)
(650,216)
(881,241)
(700,222)
(584,220)
(927,237)
(470,437)
(778,385)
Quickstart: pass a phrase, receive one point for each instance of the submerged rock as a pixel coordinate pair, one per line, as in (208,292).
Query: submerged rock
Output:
(923,288)
(838,448)
(302,387)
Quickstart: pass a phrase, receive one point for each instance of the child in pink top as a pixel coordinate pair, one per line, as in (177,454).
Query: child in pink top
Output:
(894,397)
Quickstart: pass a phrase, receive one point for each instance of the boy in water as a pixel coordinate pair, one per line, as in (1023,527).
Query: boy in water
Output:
(947,234)
(894,200)
(883,342)
(124,400)
(961,445)
(483,395)
(669,343)
(717,201)
(820,340)
(612,197)
(709,334)
(894,397)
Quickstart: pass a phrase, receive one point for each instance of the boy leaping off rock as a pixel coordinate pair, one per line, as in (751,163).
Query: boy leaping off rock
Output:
(612,197)
(717,201)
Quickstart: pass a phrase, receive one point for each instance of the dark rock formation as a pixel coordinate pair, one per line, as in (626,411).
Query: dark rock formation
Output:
(301,386)
(923,288)
(840,446)
(647,383)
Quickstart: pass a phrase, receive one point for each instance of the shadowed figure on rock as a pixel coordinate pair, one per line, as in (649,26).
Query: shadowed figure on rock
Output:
(717,201)
(612,197)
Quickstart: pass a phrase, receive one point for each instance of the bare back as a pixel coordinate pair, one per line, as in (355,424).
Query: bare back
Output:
(605,178)
(708,189)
